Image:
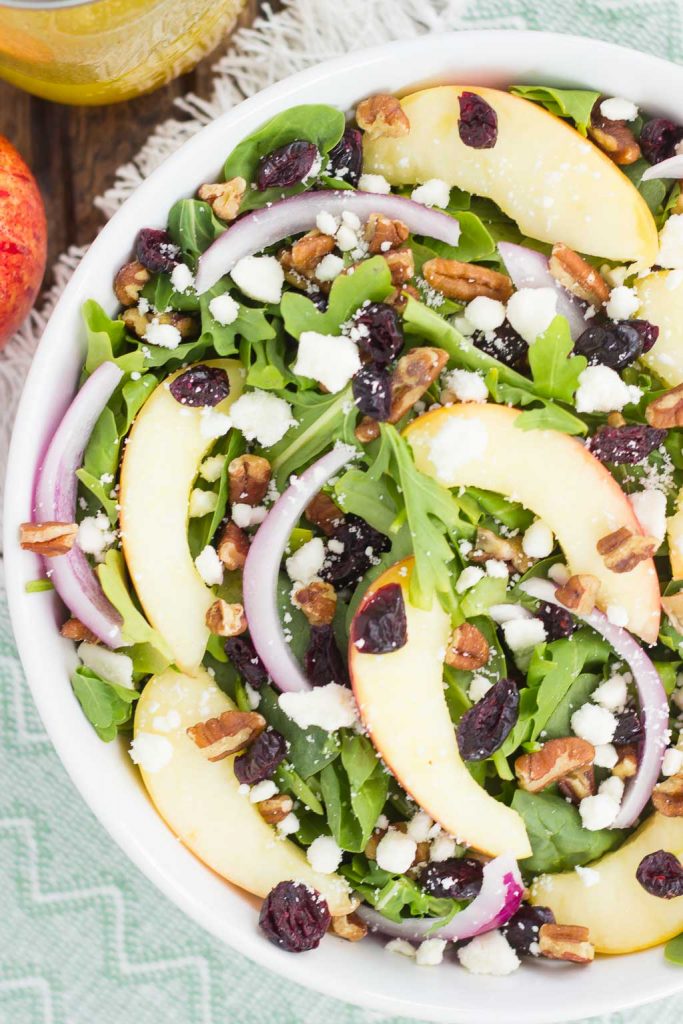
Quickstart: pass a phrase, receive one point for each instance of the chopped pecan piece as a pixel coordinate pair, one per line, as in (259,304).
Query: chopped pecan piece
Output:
(465,281)
(667,797)
(613,137)
(615,419)
(673,609)
(579,593)
(49,539)
(233,546)
(555,760)
(577,275)
(627,765)
(383,234)
(566,942)
(232,731)
(130,281)
(225,619)
(275,808)
(318,602)
(623,550)
(138,322)
(308,251)
(224,197)
(323,513)
(248,476)
(578,784)
(398,298)
(382,115)
(349,927)
(667,410)
(467,648)
(73,629)
(506,549)
(415,372)
(401,263)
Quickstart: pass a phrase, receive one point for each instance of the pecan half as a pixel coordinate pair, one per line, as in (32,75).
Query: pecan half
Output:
(613,137)
(349,927)
(233,546)
(129,282)
(232,731)
(465,281)
(467,648)
(248,476)
(137,322)
(49,539)
(673,609)
(667,797)
(318,602)
(225,619)
(73,629)
(623,550)
(579,593)
(401,263)
(627,765)
(566,942)
(224,197)
(415,372)
(308,251)
(579,784)
(505,549)
(382,115)
(275,808)
(667,410)
(575,274)
(555,760)
(382,233)
(323,513)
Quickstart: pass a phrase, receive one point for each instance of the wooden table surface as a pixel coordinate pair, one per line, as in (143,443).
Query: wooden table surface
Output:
(74,151)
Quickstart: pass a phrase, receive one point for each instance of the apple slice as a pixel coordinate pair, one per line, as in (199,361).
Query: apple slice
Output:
(555,184)
(661,302)
(401,702)
(200,800)
(620,915)
(160,464)
(553,475)
(674,536)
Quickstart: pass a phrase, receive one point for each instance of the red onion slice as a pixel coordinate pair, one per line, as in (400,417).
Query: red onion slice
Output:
(671,168)
(55,499)
(261,228)
(500,897)
(259,582)
(529,269)
(654,705)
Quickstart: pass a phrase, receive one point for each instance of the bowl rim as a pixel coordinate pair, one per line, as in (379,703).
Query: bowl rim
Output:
(531,46)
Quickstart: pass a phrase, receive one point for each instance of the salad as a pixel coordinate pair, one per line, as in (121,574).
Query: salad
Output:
(368,520)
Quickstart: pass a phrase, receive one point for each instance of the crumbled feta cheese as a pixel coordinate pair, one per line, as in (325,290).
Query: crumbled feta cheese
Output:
(531,311)
(326,223)
(468,578)
(589,876)
(612,694)
(376,183)
(433,192)
(307,561)
(262,417)
(151,752)
(245,516)
(456,443)
(401,947)
(466,385)
(182,278)
(329,707)
(430,952)
(617,615)
(209,566)
(650,510)
(214,424)
(329,359)
(598,812)
(485,314)
(673,761)
(351,219)
(110,665)
(163,335)
(496,568)
(336,546)
(442,848)
(478,688)
(211,468)
(623,302)
(462,324)
(259,277)
(490,953)
(324,855)
(605,755)
(202,503)
(262,791)
(501,613)
(523,634)
(289,824)
(224,309)
(613,787)
(421,827)
(95,535)
(559,573)
(616,108)
(395,852)
(671,243)
(329,268)
(594,724)
(601,389)
(538,540)
(347,239)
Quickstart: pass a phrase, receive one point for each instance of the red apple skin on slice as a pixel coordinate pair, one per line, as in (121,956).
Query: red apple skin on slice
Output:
(401,701)
(553,475)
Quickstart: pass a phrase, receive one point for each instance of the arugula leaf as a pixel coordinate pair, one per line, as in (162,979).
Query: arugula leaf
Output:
(551,417)
(105,705)
(503,510)
(395,896)
(251,326)
(318,426)
(193,226)
(288,779)
(673,951)
(370,494)
(368,782)
(117,587)
(310,750)
(558,839)
(574,104)
(106,339)
(555,370)
(38,586)
(653,191)
(370,282)
(559,723)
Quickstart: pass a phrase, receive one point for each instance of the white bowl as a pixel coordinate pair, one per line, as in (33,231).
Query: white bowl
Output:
(364,974)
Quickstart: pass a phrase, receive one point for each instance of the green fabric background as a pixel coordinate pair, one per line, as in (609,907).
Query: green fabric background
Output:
(84,937)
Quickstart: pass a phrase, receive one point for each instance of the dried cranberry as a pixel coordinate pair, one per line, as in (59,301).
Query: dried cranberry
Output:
(616,344)
(361,544)
(259,761)
(323,662)
(294,917)
(381,625)
(629,727)
(286,166)
(484,728)
(456,879)
(242,653)
(346,158)
(318,298)
(155,250)
(625,445)
(558,621)
(661,874)
(380,332)
(201,385)
(505,345)
(522,929)
(659,138)
(478,124)
(648,333)
(372,391)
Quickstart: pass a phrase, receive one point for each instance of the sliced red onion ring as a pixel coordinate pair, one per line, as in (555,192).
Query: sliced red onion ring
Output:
(261,228)
(499,898)
(654,705)
(55,499)
(529,269)
(671,168)
(259,583)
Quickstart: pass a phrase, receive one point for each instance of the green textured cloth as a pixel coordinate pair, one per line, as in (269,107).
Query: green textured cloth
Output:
(84,937)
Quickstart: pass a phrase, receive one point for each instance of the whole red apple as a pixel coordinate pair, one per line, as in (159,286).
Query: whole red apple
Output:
(23,240)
